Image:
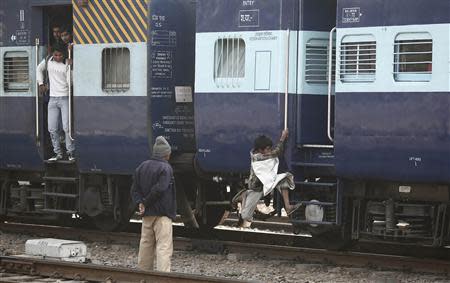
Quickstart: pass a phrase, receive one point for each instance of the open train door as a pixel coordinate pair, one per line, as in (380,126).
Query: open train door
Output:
(54,17)
(23,40)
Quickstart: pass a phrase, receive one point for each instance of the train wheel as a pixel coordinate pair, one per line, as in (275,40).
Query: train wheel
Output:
(214,216)
(117,220)
(209,216)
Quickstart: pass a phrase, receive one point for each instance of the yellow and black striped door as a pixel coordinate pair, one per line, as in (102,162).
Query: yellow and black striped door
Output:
(110,21)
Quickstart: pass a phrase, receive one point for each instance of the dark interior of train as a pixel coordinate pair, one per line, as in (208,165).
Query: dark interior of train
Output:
(55,17)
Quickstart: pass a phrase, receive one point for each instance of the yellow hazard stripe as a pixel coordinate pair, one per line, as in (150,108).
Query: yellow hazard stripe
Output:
(112,27)
(110,21)
(130,15)
(126,21)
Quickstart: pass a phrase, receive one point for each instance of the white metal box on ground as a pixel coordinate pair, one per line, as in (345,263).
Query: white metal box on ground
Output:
(66,250)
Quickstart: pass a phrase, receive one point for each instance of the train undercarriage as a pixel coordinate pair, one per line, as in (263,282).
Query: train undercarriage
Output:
(343,212)
(63,196)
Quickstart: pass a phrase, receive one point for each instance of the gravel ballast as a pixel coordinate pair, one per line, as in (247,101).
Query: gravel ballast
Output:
(234,266)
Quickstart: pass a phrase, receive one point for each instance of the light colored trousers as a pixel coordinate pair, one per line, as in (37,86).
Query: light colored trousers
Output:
(156,241)
(249,204)
(58,109)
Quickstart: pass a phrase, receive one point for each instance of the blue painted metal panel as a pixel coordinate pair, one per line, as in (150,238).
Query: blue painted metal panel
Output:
(50,2)
(312,119)
(18,149)
(171,58)
(317,15)
(21,23)
(111,133)
(393,136)
(227,124)
(363,13)
(254,15)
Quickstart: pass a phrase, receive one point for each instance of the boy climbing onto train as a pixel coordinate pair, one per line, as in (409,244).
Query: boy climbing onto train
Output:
(264,178)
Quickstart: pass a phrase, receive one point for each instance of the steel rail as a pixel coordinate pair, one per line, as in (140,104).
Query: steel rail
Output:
(247,245)
(100,273)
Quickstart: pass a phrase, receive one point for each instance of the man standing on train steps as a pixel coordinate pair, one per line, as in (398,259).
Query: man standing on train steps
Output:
(153,190)
(56,69)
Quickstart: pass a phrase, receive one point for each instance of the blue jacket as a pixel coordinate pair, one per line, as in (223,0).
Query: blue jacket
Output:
(154,186)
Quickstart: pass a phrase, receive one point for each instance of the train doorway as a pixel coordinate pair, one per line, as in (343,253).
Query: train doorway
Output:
(57,34)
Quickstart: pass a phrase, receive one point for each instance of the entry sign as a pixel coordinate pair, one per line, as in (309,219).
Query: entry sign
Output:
(351,15)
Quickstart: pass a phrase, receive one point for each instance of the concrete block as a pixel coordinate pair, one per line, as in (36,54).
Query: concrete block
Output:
(65,250)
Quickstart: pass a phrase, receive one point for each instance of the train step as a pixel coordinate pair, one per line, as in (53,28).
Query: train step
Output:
(320,203)
(308,164)
(60,162)
(316,184)
(59,211)
(62,195)
(61,179)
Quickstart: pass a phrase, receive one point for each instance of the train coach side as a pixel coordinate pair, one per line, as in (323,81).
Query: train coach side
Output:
(392,138)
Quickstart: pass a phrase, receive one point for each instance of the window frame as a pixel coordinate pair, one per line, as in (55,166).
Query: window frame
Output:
(354,43)
(235,48)
(320,70)
(16,86)
(122,84)
(412,39)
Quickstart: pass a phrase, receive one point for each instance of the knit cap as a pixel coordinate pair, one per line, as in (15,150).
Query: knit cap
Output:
(161,148)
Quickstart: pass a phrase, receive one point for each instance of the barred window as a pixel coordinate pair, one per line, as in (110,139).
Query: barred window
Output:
(229,58)
(116,69)
(357,61)
(316,64)
(16,71)
(413,57)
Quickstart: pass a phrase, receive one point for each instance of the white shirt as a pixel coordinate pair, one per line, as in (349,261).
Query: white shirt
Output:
(57,75)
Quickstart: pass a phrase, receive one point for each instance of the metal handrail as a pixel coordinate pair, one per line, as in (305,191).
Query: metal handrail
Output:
(286,94)
(70,93)
(37,91)
(330,73)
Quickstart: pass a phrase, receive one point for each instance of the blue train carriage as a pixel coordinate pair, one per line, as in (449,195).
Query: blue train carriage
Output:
(22,137)
(130,83)
(392,138)
(263,65)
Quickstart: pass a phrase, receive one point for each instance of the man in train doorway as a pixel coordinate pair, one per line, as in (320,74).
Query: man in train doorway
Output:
(153,190)
(66,41)
(56,69)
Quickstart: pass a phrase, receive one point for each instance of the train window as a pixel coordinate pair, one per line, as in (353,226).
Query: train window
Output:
(316,61)
(229,58)
(116,69)
(413,57)
(16,71)
(357,60)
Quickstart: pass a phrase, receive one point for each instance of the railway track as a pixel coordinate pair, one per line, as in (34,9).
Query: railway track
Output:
(23,269)
(354,258)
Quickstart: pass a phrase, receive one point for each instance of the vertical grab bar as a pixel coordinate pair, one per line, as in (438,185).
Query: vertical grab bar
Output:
(70,92)
(286,94)
(330,74)
(37,91)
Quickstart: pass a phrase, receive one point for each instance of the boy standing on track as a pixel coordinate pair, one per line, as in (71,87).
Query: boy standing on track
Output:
(153,190)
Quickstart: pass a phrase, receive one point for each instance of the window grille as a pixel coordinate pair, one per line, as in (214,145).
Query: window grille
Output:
(229,58)
(116,69)
(358,61)
(316,64)
(16,71)
(413,60)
